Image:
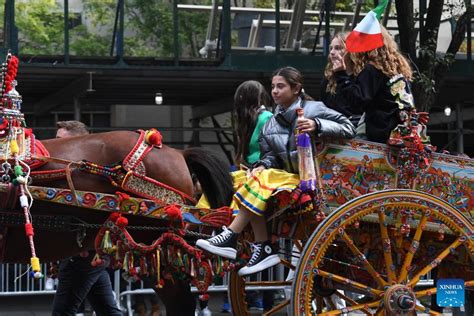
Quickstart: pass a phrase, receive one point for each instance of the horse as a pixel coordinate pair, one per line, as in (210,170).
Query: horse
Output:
(167,165)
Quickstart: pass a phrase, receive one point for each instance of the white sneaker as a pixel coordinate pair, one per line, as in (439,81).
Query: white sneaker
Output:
(263,257)
(223,245)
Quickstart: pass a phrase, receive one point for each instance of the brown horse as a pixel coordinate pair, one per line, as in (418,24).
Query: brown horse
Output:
(167,165)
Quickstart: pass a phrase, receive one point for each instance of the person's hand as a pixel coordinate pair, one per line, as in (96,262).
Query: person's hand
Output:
(255,171)
(348,63)
(306,125)
(338,64)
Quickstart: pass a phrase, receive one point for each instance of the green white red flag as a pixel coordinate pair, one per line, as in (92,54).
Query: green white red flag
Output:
(367,35)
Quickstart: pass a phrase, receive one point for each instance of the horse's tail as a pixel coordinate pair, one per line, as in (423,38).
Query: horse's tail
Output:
(213,173)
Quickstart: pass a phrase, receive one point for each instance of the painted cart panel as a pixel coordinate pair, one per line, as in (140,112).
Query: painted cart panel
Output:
(349,170)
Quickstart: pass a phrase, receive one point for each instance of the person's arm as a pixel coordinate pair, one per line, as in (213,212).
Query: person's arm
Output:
(333,124)
(268,159)
(363,89)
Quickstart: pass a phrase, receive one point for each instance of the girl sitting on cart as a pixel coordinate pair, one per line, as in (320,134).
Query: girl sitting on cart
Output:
(277,168)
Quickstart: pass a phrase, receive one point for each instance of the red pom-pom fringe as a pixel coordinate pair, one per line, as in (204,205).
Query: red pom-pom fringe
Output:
(173,212)
(114,216)
(153,137)
(121,222)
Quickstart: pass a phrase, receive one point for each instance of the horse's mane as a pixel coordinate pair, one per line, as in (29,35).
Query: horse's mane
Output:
(213,172)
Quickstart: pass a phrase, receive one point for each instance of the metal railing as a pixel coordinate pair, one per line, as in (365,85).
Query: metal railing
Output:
(220,16)
(16,281)
(289,30)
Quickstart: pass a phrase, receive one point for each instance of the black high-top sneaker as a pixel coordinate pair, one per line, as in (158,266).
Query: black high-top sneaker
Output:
(223,245)
(263,257)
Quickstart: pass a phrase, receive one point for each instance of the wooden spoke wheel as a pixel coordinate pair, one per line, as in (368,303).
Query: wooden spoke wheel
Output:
(375,250)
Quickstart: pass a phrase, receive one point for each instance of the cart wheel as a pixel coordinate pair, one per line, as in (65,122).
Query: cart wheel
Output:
(380,250)
(239,285)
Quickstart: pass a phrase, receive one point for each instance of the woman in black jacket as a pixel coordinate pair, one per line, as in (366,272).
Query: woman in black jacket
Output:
(380,88)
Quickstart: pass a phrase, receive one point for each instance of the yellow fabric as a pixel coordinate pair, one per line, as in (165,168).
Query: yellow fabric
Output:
(256,191)
(203,202)
(239,178)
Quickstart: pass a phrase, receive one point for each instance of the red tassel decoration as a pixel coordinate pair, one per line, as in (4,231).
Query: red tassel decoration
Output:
(97,261)
(143,266)
(158,273)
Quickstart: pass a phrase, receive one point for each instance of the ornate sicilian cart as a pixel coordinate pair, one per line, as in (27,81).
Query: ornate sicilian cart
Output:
(385,218)
(382,218)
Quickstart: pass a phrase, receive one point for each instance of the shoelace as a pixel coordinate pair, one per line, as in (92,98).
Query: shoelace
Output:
(226,233)
(256,249)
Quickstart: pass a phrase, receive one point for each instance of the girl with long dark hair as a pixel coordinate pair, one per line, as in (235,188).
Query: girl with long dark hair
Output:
(251,114)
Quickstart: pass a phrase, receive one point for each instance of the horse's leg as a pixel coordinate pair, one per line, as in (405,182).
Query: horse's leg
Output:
(177,297)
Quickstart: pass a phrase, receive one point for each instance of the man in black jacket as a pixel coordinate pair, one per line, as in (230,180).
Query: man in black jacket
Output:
(78,279)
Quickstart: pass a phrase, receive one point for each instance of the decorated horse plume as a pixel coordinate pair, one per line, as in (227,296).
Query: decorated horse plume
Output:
(9,71)
(13,145)
(10,108)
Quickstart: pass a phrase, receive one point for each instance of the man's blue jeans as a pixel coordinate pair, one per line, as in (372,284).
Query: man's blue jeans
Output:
(78,280)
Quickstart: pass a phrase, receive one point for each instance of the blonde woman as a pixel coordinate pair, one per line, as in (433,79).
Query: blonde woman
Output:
(329,97)
(380,86)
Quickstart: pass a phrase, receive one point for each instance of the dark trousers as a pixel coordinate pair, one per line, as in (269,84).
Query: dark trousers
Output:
(78,280)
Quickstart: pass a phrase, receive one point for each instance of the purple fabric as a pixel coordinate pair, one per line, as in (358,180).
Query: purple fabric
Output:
(303,140)
(308,185)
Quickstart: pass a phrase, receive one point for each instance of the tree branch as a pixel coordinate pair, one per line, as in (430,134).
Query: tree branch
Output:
(431,27)
(406,27)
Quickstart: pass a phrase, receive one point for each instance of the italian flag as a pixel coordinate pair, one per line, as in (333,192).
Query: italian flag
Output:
(367,35)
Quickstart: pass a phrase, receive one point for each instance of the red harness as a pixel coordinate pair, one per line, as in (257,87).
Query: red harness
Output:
(138,183)
(130,175)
